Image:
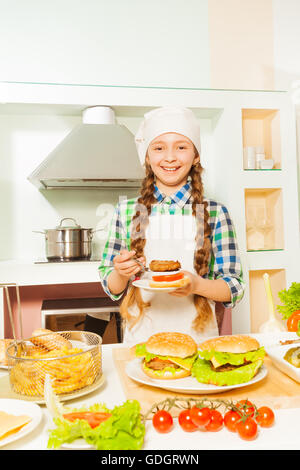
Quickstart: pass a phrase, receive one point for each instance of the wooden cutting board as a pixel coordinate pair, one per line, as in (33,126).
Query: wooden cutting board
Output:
(276,389)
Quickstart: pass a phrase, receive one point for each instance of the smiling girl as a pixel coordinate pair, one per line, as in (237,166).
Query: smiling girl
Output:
(171,220)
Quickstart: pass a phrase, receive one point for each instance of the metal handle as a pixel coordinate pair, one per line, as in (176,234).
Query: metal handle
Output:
(68,218)
(5,286)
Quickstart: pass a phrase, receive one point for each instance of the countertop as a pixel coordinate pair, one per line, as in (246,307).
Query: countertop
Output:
(29,273)
(284,435)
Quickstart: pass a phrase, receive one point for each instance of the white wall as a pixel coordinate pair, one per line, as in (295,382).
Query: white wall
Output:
(115,42)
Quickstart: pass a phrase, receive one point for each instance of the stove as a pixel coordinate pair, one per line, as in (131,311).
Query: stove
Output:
(58,260)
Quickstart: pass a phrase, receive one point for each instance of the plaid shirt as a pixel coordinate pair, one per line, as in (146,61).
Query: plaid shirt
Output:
(224,259)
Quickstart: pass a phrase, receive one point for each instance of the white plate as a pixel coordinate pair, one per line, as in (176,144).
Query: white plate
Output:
(187,384)
(144,284)
(20,407)
(276,354)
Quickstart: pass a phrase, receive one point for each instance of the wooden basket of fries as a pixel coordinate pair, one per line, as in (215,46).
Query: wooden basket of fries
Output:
(71,358)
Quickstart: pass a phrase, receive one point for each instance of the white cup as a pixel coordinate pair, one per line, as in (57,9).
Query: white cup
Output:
(267,164)
(249,158)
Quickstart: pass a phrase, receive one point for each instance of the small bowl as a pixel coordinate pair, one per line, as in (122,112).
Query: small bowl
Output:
(267,164)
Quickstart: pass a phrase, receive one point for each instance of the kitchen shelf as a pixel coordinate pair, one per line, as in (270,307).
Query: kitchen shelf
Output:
(259,312)
(261,128)
(264,219)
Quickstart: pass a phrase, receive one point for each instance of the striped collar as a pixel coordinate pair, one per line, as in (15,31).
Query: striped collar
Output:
(180,198)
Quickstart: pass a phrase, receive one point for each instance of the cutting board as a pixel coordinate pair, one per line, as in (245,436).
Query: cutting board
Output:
(276,389)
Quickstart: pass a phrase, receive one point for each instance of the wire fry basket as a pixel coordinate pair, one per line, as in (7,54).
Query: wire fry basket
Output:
(73,359)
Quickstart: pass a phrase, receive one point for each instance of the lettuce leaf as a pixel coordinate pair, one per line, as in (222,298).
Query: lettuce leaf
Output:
(235,359)
(204,373)
(185,363)
(124,430)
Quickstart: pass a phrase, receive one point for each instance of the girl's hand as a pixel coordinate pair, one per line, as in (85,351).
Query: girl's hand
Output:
(125,266)
(189,288)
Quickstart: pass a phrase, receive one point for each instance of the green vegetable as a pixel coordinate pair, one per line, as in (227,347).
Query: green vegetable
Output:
(186,363)
(124,430)
(290,299)
(235,359)
(204,373)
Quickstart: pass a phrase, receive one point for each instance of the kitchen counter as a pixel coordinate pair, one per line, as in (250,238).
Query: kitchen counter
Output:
(28,273)
(284,435)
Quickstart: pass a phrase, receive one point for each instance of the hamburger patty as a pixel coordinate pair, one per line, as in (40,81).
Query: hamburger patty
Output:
(227,367)
(159,364)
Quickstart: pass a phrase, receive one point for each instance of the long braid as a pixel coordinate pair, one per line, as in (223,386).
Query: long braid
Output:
(203,245)
(137,243)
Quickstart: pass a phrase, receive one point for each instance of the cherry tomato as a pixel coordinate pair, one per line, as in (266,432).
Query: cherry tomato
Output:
(246,407)
(185,421)
(231,418)
(200,416)
(216,421)
(93,418)
(265,417)
(162,421)
(293,320)
(168,277)
(247,429)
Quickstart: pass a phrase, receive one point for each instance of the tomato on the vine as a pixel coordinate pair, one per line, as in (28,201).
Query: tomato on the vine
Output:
(162,421)
(246,407)
(185,421)
(200,416)
(247,429)
(231,418)
(265,417)
(216,421)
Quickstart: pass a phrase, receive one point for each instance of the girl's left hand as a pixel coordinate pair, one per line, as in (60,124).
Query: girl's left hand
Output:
(189,288)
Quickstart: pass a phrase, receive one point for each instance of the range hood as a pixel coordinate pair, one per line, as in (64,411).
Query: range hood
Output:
(99,153)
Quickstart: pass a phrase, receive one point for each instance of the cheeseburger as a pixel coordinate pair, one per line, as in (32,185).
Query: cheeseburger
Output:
(166,273)
(167,355)
(228,360)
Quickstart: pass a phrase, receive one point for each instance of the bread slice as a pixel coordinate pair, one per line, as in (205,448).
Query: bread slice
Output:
(163,284)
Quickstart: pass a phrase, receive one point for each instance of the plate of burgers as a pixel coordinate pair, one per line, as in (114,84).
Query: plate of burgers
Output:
(173,361)
(163,275)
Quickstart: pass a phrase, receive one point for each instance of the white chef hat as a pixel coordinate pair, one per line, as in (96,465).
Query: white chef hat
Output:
(167,119)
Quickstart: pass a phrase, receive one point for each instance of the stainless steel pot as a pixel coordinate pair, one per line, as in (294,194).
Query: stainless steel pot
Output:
(68,243)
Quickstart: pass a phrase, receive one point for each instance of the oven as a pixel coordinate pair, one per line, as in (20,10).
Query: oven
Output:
(99,315)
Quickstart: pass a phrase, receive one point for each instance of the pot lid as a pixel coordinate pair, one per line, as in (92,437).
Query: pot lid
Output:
(75,226)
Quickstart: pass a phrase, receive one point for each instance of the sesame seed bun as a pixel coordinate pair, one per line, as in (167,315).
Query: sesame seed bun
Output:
(171,344)
(163,284)
(231,344)
(178,374)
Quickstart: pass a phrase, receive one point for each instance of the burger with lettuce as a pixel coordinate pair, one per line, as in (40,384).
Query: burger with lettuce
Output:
(228,360)
(167,355)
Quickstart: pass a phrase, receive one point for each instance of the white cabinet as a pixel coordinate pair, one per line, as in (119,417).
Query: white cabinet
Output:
(262,203)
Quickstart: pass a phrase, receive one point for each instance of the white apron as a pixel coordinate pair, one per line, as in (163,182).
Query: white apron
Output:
(169,237)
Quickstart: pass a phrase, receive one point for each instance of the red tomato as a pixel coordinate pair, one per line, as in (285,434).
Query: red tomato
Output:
(168,277)
(265,417)
(246,407)
(200,416)
(231,418)
(185,421)
(93,418)
(216,421)
(293,320)
(162,421)
(247,429)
